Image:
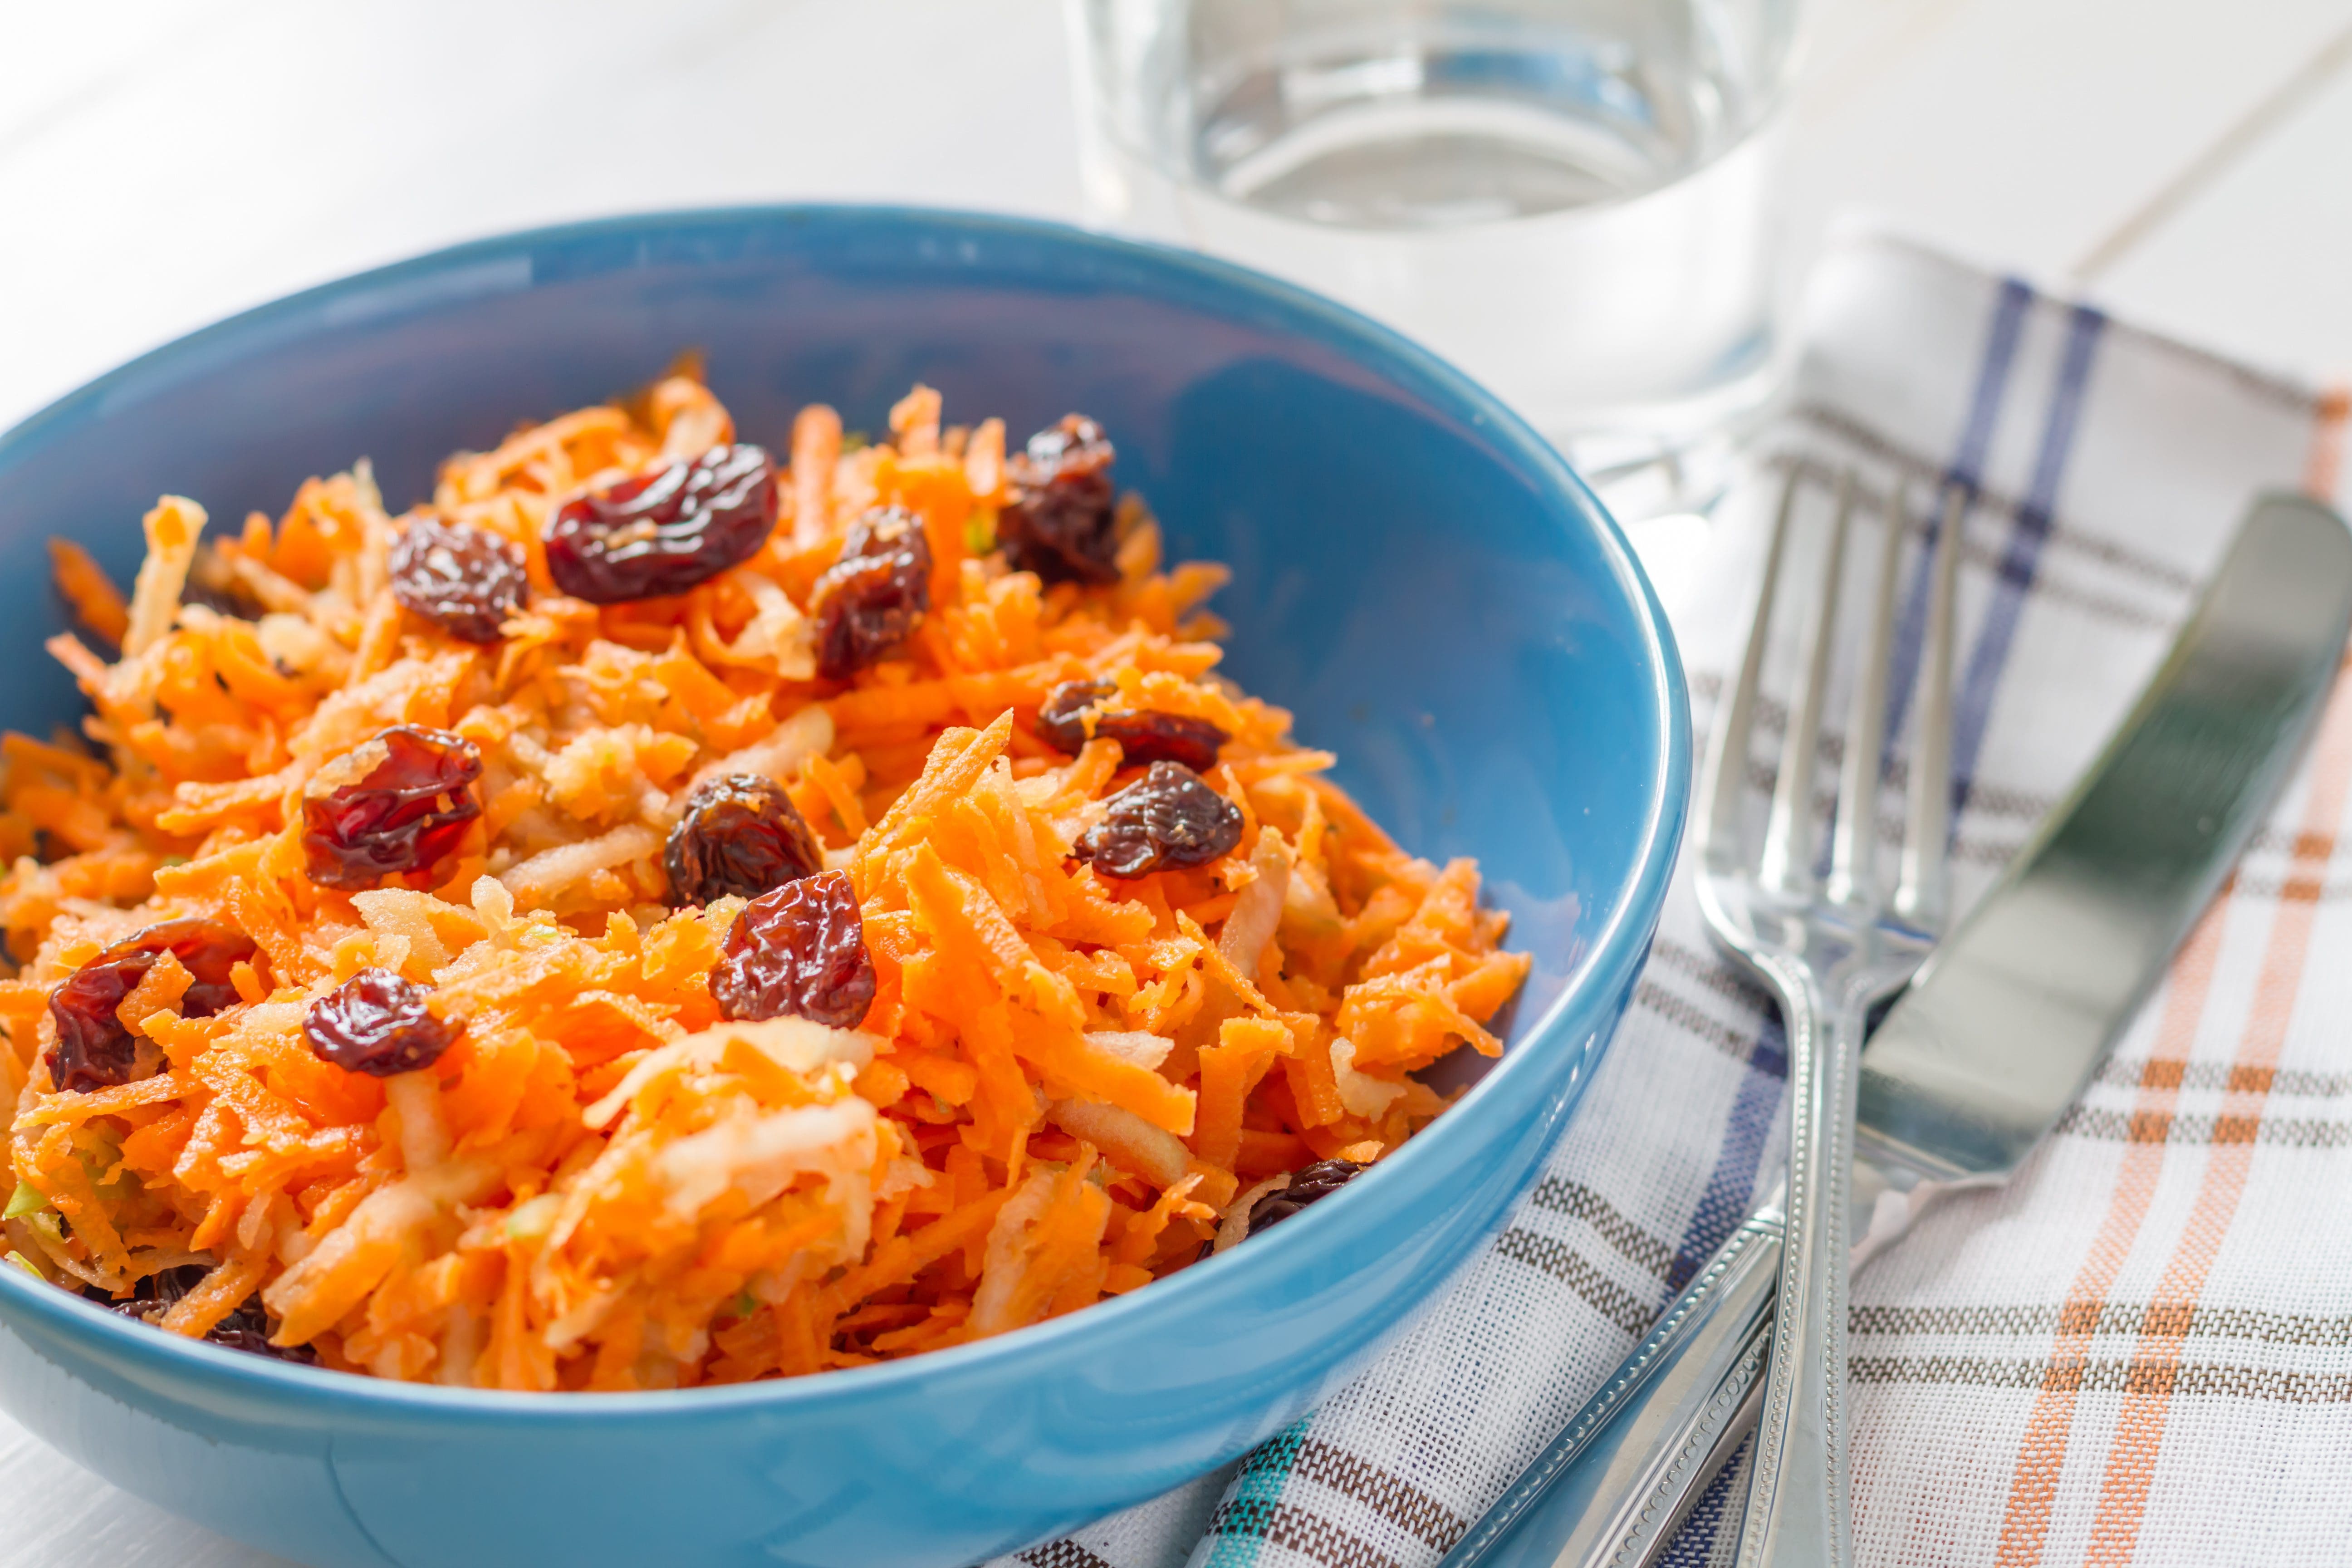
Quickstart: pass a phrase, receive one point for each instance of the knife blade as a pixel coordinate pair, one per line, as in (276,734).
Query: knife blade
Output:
(1997,1035)
(2007,1021)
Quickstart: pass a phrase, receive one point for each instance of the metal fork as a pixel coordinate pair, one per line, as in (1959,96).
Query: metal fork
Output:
(1612,1487)
(1830,949)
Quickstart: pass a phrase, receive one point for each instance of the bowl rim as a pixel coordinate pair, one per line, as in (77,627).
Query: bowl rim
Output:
(1612,954)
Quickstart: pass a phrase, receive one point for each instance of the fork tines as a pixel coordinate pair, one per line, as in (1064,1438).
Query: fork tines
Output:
(1789,862)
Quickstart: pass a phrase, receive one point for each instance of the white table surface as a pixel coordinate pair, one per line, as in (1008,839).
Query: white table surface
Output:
(164,163)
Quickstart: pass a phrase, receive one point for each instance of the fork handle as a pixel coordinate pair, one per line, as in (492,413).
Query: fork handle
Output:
(1797,1493)
(1612,1487)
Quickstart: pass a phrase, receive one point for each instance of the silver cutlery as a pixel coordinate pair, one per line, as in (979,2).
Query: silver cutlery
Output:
(1996,1036)
(1829,951)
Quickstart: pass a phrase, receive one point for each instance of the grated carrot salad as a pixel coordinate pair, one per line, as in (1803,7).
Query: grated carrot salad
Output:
(1065,1086)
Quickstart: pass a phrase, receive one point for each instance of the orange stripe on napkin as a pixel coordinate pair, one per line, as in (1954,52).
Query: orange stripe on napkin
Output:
(2322,468)
(2042,1455)
(2173,1309)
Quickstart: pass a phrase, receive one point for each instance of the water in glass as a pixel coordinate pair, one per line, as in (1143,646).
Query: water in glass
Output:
(1569,198)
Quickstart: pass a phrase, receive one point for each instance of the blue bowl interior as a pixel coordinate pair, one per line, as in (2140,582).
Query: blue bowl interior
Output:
(1416,577)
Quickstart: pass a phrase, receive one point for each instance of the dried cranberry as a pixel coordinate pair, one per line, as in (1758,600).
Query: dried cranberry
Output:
(465,580)
(93,1049)
(1167,819)
(1319,1179)
(397,803)
(1057,522)
(1145,736)
(376,1023)
(742,835)
(246,1328)
(798,950)
(665,531)
(866,603)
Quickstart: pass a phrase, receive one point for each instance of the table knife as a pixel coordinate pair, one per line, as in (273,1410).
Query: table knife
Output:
(1996,1036)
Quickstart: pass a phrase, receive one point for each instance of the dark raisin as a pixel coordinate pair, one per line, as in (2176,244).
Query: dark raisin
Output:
(866,603)
(397,803)
(1150,736)
(1058,519)
(212,585)
(741,834)
(665,531)
(1319,1179)
(218,602)
(168,1285)
(1165,820)
(376,1023)
(93,1050)
(465,580)
(246,1328)
(1145,736)
(1062,718)
(800,949)
(154,1294)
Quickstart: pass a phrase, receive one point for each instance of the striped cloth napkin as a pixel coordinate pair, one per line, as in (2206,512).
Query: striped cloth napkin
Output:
(2141,1350)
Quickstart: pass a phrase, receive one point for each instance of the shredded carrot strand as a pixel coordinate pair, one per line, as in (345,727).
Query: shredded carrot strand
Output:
(1065,1076)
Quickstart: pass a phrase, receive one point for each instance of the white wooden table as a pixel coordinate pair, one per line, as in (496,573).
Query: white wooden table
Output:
(164,162)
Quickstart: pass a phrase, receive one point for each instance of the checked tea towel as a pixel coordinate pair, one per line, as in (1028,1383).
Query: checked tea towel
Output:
(2140,1350)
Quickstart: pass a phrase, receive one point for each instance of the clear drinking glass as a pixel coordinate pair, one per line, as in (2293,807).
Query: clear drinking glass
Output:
(1570,199)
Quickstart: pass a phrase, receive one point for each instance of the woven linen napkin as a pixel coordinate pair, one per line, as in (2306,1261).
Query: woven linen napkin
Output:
(2141,1349)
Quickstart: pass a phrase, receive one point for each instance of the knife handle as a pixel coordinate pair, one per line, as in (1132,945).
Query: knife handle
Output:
(1615,1483)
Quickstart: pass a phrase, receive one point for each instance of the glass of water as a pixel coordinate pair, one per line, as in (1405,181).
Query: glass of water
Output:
(1570,199)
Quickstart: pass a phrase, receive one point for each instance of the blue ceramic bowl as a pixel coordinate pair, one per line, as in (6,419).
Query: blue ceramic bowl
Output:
(1416,575)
